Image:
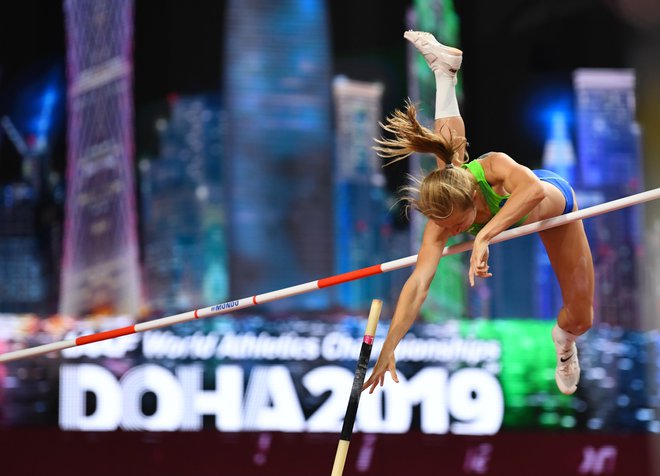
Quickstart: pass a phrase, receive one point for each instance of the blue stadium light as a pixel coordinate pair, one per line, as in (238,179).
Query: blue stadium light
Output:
(556,118)
(548,106)
(558,130)
(38,108)
(45,118)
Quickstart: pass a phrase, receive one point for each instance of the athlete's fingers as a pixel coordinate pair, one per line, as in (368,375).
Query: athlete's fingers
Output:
(375,382)
(370,381)
(395,377)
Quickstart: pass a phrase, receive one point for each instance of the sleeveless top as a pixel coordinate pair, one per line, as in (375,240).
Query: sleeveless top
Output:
(493,199)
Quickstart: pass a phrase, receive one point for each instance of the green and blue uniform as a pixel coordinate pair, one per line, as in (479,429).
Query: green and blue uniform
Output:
(496,201)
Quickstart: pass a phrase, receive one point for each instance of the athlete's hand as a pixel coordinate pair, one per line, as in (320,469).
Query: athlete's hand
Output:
(479,260)
(386,362)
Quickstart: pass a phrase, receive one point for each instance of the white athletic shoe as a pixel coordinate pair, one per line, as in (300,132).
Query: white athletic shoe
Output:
(438,56)
(567,374)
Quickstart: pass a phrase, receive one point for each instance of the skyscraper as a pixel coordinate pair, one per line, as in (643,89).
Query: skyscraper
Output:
(31,202)
(362,225)
(22,283)
(100,261)
(609,166)
(278,146)
(185,262)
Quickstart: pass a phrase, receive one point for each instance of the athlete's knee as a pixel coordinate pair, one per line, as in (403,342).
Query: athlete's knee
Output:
(580,316)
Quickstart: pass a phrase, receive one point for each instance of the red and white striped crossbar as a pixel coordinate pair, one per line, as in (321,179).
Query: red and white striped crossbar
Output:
(231,306)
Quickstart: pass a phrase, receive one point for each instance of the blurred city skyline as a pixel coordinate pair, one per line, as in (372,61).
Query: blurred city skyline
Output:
(170,66)
(179,50)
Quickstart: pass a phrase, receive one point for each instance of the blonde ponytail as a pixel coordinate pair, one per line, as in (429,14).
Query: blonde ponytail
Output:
(410,137)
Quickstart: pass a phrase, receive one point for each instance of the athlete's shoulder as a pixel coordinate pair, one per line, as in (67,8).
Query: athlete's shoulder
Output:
(497,165)
(494,158)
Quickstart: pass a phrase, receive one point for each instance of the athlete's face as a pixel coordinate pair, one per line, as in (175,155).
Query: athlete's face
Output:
(458,221)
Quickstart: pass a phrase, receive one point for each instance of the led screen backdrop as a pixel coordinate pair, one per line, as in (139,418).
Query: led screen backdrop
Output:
(258,373)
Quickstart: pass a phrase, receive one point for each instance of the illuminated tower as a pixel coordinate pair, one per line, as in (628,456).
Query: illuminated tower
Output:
(183,210)
(100,262)
(21,270)
(279,142)
(610,167)
(361,212)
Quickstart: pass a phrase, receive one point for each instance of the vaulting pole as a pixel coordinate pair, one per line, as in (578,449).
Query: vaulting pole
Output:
(356,389)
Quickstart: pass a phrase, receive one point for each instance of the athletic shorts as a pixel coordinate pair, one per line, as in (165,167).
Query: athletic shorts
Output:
(559,182)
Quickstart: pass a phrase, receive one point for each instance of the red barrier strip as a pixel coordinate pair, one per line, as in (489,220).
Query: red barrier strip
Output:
(122,331)
(350,276)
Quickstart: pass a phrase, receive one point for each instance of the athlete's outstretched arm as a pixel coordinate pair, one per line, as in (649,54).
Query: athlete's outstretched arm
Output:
(410,301)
